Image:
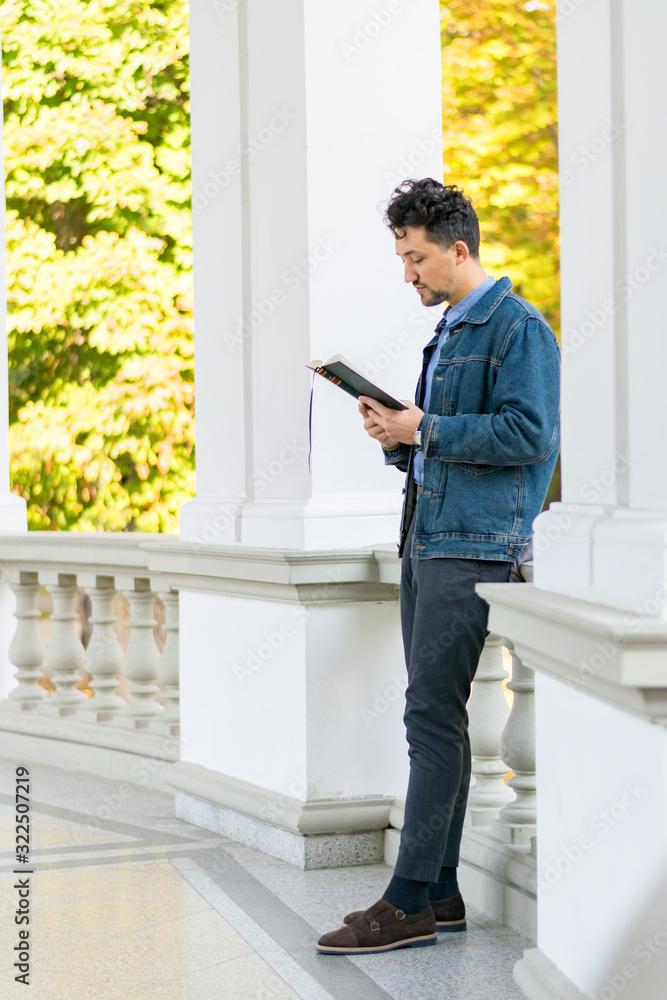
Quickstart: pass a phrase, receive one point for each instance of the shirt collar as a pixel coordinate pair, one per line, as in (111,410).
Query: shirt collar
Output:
(455,313)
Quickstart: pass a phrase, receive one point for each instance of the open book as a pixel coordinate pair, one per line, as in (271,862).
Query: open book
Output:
(339,371)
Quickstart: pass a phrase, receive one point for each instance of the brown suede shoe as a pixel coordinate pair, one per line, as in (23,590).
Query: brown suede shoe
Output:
(380,928)
(450,914)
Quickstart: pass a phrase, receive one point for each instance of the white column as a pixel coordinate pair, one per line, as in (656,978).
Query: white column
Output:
(294,147)
(27,650)
(607,540)
(169,666)
(65,654)
(488,713)
(104,656)
(516,823)
(140,663)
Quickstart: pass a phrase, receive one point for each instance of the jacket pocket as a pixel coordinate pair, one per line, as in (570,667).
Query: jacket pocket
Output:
(476,470)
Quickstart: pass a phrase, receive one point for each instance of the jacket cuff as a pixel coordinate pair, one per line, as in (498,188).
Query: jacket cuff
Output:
(397,455)
(429,435)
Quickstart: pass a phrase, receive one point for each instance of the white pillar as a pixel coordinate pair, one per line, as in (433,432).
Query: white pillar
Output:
(295,144)
(27,650)
(488,711)
(593,626)
(517,819)
(607,540)
(65,655)
(104,655)
(141,659)
(169,666)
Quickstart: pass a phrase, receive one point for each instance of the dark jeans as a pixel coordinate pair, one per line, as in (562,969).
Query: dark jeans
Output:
(444,628)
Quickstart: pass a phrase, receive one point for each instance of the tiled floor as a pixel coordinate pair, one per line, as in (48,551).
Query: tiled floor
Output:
(128,903)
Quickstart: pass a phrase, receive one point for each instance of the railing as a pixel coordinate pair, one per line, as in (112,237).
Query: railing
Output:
(132,704)
(502,741)
(132,694)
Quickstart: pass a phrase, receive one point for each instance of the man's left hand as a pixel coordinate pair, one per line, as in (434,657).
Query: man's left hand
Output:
(398,424)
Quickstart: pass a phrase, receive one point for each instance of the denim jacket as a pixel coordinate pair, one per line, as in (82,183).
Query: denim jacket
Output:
(491,438)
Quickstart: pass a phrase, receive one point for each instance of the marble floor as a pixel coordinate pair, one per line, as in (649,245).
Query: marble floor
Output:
(129,903)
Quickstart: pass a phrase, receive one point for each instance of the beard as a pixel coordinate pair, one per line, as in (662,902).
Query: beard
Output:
(431,297)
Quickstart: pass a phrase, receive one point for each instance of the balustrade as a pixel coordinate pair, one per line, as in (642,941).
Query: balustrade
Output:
(147,677)
(104,655)
(27,650)
(516,822)
(488,712)
(65,655)
(503,741)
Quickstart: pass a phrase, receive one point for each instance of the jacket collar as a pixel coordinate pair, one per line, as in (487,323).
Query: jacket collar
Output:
(482,310)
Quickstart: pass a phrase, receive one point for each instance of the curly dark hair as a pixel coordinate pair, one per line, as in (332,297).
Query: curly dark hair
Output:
(443,210)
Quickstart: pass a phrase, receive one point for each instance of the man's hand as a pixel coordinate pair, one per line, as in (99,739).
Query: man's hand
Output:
(390,427)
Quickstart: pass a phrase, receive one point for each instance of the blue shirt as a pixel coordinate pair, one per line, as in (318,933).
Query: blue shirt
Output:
(452,315)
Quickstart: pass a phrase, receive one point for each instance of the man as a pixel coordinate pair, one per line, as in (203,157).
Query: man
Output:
(479,447)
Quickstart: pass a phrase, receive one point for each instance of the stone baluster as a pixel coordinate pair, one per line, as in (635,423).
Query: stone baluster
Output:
(516,823)
(488,711)
(169,666)
(141,660)
(65,655)
(104,656)
(27,650)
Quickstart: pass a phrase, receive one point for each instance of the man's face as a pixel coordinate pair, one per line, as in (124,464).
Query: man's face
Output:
(428,267)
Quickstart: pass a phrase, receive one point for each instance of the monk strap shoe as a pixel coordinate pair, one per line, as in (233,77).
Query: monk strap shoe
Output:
(380,928)
(450,914)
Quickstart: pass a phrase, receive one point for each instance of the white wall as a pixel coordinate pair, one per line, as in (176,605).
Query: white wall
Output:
(304,701)
(602,829)
(309,114)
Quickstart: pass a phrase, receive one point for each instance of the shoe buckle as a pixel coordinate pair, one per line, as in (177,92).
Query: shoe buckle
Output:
(375,927)
(400,914)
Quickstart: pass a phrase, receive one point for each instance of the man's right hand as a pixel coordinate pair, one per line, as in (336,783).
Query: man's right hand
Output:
(374,429)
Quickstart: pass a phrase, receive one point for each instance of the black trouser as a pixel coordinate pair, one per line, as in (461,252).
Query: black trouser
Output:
(444,628)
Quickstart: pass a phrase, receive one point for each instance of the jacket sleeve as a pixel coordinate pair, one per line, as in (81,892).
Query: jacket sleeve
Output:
(522,428)
(398,457)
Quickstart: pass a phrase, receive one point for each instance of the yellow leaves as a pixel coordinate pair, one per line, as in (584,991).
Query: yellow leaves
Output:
(500,134)
(100,311)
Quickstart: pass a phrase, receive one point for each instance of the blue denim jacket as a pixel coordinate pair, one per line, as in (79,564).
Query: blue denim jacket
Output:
(491,438)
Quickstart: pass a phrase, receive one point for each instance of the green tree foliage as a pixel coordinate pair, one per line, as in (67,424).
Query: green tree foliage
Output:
(97,164)
(500,135)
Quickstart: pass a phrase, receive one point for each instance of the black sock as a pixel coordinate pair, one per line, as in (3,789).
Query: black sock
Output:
(446,886)
(406,894)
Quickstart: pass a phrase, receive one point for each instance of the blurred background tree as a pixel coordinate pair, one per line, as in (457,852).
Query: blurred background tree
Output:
(97,160)
(500,124)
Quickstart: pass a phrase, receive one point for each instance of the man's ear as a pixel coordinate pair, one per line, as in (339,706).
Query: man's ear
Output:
(462,251)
